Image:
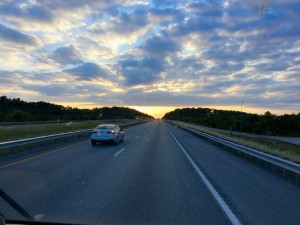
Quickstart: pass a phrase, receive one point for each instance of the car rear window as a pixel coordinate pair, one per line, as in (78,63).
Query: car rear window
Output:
(105,127)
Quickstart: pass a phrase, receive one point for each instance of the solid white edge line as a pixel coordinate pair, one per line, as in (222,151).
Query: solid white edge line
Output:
(119,152)
(233,219)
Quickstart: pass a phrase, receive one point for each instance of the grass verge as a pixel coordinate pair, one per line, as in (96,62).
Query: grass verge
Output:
(274,147)
(19,132)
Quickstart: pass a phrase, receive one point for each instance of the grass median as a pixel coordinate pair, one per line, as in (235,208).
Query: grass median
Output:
(274,147)
(30,131)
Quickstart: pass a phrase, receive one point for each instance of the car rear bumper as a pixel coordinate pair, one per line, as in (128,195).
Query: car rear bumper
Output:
(99,139)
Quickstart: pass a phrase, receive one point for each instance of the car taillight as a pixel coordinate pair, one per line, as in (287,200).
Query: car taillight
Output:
(111,132)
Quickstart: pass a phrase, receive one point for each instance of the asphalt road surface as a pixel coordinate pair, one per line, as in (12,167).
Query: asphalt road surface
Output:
(159,175)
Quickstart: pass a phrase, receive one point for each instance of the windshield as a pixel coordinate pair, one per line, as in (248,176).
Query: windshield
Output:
(200,99)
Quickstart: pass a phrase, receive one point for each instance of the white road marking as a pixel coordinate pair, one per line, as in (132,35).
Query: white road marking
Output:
(38,216)
(228,212)
(119,152)
(137,137)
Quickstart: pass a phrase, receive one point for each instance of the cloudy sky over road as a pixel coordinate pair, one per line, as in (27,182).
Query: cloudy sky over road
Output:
(157,53)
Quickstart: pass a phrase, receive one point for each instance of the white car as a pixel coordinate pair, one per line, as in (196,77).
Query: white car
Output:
(107,133)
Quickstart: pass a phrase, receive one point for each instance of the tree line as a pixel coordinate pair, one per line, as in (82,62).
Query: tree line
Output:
(266,124)
(17,110)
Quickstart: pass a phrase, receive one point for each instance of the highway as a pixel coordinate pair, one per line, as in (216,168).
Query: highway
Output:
(161,174)
(291,140)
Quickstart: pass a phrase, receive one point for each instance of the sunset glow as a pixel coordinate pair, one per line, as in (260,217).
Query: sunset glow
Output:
(152,56)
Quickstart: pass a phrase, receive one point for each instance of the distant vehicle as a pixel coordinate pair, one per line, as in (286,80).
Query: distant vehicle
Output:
(107,133)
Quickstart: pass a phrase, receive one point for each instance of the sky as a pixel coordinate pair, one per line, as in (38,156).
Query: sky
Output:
(154,55)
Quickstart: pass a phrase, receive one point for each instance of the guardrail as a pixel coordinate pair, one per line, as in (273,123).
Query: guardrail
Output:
(275,162)
(29,143)
(4,124)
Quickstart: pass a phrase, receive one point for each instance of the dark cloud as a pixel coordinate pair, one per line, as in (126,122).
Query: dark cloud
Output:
(195,25)
(241,76)
(229,50)
(200,17)
(266,67)
(192,62)
(232,46)
(123,23)
(11,35)
(39,13)
(10,77)
(172,13)
(47,10)
(225,68)
(257,83)
(77,4)
(255,99)
(161,98)
(59,89)
(34,13)
(66,55)
(160,46)
(205,9)
(87,71)
(49,90)
(190,67)
(141,71)
(217,87)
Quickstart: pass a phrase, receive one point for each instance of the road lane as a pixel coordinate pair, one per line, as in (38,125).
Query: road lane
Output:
(119,152)
(224,206)
(257,195)
(149,183)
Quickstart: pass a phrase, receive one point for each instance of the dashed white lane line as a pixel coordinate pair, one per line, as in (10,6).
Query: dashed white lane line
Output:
(224,206)
(119,152)
(137,137)
(38,216)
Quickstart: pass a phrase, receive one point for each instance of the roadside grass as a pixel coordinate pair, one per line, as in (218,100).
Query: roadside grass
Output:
(273,147)
(19,132)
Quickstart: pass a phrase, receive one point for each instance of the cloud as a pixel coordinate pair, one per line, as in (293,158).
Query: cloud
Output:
(87,71)
(225,68)
(9,77)
(230,50)
(50,89)
(58,89)
(159,46)
(121,23)
(66,55)
(268,66)
(119,31)
(156,52)
(166,14)
(11,35)
(165,3)
(29,12)
(206,9)
(141,71)
(162,98)
(93,50)
(191,61)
